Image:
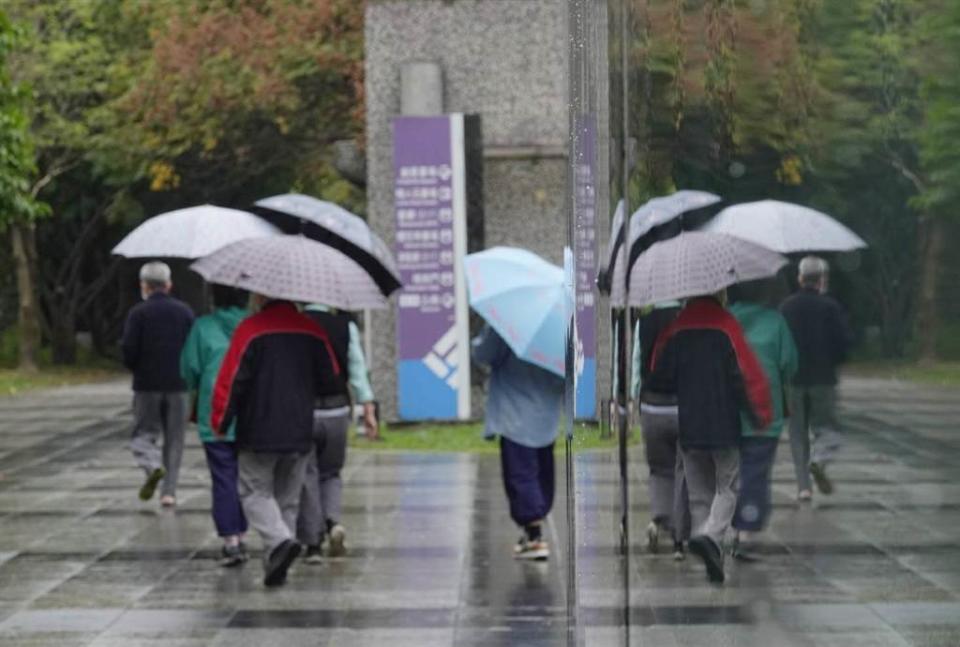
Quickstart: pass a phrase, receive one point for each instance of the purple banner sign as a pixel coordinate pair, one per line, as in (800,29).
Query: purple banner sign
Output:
(585,255)
(432,347)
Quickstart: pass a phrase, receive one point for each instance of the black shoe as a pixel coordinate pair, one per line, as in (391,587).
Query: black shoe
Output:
(279,562)
(707,549)
(313,555)
(150,486)
(819,473)
(231,556)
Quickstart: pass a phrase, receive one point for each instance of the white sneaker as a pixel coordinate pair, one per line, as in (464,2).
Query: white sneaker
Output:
(653,537)
(531,550)
(336,546)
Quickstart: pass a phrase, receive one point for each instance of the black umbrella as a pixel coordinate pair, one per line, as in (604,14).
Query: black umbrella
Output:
(333,225)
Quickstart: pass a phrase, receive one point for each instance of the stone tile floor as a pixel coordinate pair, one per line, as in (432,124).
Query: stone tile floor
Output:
(84,562)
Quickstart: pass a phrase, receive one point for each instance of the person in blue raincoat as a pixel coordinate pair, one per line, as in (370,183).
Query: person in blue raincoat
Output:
(524,403)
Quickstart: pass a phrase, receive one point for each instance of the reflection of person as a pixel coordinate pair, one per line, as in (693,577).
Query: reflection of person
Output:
(823,338)
(703,358)
(153,335)
(322,490)
(277,363)
(199,365)
(669,509)
(769,337)
(523,408)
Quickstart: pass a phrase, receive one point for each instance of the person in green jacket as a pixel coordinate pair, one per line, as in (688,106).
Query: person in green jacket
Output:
(769,335)
(199,364)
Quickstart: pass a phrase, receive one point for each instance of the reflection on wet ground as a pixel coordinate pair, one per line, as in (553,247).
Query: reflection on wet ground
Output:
(83,562)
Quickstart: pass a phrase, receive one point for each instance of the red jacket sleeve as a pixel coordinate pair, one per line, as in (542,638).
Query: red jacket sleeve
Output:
(754,378)
(224,389)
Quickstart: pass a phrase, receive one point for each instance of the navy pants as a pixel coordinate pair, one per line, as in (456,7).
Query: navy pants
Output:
(228,514)
(528,478)
(756,468)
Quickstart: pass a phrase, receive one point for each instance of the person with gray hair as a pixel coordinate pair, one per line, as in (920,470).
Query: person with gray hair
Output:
(823,338)
(153,336)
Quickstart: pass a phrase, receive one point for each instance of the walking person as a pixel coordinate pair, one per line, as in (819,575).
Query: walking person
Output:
(823,337)
(277,363)
(200,363)
(669,505)
(523,408)
(153,336)
(703,358)
(320,502)
(769,336)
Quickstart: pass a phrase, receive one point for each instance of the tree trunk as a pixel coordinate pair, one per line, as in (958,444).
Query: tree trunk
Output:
(21,236)
(63,340)
(927,311)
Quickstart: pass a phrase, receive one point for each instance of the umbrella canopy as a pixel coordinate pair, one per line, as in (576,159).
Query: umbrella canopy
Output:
(333,225)
(697,263)
(192,232)
(785,227)
(294,268)
(524,299)
(648,224)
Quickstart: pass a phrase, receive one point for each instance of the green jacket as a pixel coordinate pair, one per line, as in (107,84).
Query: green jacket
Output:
(768,334)
(200,362)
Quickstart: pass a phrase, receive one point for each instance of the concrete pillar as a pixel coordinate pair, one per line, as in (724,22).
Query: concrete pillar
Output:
(421,89)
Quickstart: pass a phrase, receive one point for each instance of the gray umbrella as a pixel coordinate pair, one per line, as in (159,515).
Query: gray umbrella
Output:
(332,224)
(697,263)
(294,268)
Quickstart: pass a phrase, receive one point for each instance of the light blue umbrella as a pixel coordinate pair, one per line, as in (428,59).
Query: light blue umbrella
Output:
(524,299)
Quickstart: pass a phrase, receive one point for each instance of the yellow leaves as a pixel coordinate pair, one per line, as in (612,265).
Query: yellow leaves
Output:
(790,172)
(282,124)
(209,143)
(163,177)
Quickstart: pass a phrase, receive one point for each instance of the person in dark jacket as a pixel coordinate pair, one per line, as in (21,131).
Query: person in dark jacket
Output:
(823,337)
(277,363)
(704,358)
(153,337)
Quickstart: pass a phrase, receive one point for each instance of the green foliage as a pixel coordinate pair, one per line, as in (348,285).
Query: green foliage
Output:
(16,148)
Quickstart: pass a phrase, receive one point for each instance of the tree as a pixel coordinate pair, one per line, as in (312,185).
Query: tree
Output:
(18,204)
(76,59)
(939,155)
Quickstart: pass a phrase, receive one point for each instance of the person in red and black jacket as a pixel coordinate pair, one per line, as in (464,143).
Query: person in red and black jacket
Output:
(704,358)
(278,362)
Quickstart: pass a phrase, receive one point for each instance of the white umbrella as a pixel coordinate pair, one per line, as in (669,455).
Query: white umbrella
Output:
(293,267)
(654,213)
(192,232)
(697,263)
(785,227)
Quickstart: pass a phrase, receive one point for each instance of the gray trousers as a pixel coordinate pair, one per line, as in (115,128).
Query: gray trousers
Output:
(712,482)
(669,505)
(159,414)
(269,485)
(320,500)
(813,410)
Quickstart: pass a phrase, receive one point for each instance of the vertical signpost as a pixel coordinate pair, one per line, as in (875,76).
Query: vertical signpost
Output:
(433,334)
(585,255)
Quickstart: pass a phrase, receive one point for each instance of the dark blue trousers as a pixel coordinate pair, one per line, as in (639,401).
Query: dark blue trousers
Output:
(754,501)
(528,478)
(227,511)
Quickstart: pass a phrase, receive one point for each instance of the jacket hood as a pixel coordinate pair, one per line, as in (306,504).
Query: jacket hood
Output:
(229,318)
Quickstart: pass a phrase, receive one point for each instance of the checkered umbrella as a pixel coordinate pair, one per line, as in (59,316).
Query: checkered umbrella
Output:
(698,263)
(294,268)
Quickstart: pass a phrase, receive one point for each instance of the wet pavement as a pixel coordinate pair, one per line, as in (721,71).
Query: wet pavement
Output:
(84,562)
